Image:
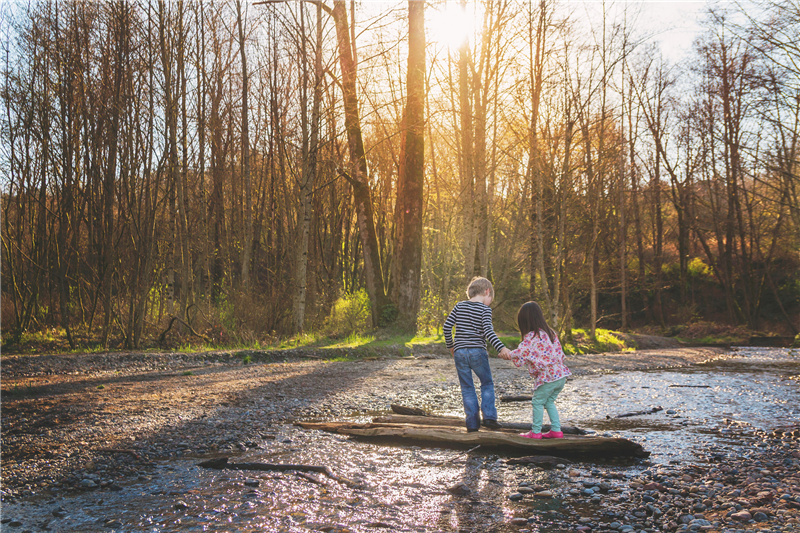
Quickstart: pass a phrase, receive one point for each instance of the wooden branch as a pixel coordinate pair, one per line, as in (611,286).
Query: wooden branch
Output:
(222,463)
(190,328)
(638,413)
(325,8)
(403,410)
(522,398)
(446,461)
(543,461)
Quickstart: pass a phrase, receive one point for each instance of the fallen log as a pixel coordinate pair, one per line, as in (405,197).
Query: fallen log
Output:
(444,436)
(411,411)
(542,461)
(433,420)
(518,398)
(221,463)
(638,413)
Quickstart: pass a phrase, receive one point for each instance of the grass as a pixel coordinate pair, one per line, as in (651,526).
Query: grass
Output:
(712,339)
(347,348)
(605,341)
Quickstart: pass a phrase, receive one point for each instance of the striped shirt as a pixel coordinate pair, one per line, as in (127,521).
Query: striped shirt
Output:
(473,323)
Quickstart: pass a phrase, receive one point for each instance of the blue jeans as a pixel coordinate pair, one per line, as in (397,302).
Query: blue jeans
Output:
(544,398)
(469,360)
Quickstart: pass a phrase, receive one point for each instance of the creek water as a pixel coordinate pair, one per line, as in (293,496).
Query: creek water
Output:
(405,488)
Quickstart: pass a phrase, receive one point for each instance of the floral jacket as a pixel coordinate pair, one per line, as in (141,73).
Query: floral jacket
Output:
(543,357)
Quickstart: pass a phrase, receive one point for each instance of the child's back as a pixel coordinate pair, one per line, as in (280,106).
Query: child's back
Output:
(472,320)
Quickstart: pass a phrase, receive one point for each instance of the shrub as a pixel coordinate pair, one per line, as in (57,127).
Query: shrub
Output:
(350,314)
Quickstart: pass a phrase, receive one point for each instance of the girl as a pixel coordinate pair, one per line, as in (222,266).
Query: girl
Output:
(540,350)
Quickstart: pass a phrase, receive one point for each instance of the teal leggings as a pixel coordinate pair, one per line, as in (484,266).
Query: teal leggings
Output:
(544,397)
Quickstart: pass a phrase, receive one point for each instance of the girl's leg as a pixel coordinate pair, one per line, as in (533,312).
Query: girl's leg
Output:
(550,403)
(539,399)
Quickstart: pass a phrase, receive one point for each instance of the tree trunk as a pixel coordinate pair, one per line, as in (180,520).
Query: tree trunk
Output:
(410,187)
(360,178)
(247,246)
(309,171)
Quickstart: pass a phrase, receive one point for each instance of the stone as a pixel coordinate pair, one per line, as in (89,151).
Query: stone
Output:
(87,483)
(460,489)
(515,497)
(543,494)
(742,516)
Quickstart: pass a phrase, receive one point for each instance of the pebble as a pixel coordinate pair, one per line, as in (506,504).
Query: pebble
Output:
(87,484)
(461,489)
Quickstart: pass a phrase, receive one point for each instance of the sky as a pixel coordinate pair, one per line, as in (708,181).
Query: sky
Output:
(674,24)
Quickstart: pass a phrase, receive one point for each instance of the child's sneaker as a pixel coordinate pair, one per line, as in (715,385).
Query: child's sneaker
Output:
(491,423)
(553,435)
(531,435)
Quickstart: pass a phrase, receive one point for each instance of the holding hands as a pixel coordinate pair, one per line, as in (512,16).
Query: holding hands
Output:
(505,353)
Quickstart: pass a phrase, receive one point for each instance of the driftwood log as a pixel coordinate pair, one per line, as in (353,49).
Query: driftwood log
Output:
(517,398)
(221,463)
(453,421)
(450,436)
(542,461)
(411,411)
(638,413)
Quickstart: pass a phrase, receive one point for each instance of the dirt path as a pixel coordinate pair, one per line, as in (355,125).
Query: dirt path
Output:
(72,420)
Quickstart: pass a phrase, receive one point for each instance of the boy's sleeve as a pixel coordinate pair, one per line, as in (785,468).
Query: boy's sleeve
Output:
(488,330)
(448,328)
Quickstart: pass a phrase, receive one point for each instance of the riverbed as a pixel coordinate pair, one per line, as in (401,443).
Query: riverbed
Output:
(712,415)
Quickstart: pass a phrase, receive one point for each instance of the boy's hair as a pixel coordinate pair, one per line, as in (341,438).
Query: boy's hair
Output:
(478,286)
(530,318)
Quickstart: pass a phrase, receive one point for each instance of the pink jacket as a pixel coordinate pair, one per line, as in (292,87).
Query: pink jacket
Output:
(543,357)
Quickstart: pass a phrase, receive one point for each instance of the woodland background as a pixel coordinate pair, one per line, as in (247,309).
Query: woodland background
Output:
(244,172)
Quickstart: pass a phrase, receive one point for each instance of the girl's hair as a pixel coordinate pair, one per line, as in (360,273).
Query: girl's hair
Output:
(530,318)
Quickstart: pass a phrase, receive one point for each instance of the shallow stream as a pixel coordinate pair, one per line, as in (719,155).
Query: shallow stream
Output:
(405,488)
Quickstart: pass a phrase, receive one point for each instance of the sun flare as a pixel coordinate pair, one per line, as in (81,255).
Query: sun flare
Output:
(453,24)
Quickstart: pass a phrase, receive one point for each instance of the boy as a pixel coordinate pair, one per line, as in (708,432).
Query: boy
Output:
(473,322)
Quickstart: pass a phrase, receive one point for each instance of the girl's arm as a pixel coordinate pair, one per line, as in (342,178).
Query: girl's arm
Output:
(529,352)
(521,352)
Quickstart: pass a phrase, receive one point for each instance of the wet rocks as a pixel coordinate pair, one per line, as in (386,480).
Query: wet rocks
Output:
(726,493)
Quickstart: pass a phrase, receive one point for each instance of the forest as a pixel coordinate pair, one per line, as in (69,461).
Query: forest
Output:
(238,172)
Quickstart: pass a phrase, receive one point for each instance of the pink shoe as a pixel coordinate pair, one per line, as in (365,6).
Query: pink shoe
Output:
(553,435)
(531,435)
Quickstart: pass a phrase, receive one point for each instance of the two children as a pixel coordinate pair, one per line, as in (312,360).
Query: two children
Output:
(539,350)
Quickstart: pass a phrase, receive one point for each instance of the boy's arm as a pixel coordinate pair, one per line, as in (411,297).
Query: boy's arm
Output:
(448,329)
(491,336)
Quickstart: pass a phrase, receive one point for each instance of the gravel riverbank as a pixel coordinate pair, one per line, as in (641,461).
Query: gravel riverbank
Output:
(87,422)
